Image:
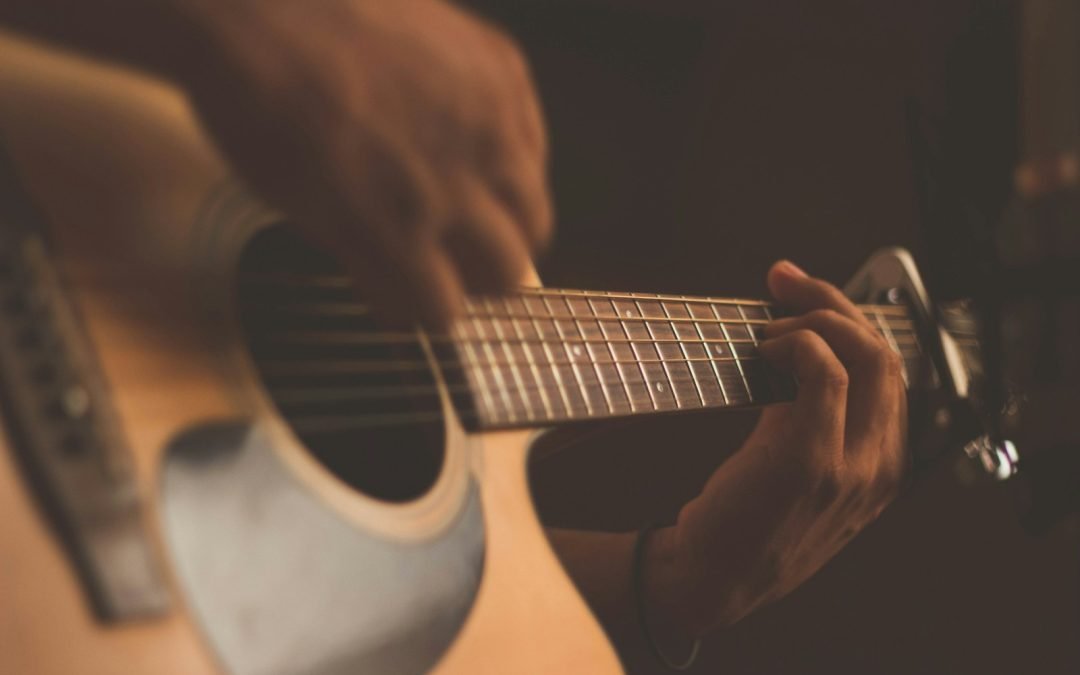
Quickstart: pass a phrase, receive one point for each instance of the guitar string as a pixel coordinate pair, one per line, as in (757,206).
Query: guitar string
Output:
(901,325)
(342,282)
(291,395)
(904,337)
(734,353)
(314,423)
(305,365)
(525,413)
(354,338)
(335,309)
(362,339)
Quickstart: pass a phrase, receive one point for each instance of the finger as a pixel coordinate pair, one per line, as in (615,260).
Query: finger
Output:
(873,369)
(527,112)
(801,293)
(521,185)
(417,285)
(486,246)
(819,411)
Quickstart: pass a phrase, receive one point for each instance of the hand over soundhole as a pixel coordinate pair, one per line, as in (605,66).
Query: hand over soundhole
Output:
(405,136)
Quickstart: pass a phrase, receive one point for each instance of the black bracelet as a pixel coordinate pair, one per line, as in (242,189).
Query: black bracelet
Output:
(637,579)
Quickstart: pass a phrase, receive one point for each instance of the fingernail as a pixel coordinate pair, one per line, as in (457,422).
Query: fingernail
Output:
(792,269)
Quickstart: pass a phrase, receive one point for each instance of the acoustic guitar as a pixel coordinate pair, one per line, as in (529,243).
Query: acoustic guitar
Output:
(214,461)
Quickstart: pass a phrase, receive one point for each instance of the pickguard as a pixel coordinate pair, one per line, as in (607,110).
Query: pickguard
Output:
(281,583)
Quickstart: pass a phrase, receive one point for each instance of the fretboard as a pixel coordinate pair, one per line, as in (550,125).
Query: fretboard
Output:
(545,356)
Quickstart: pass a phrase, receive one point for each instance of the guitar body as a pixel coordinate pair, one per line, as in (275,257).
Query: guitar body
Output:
(307,575)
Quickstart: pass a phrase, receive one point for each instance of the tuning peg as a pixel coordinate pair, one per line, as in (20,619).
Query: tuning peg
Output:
(998,459)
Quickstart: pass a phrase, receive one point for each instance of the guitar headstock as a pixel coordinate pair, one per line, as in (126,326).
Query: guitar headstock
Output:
(950,402)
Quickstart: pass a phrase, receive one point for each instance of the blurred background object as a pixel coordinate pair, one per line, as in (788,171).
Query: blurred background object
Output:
(694,142)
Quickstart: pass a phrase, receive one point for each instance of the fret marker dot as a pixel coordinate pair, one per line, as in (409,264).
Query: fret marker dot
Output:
(660,386)
(719,349)
(629,312)
(577,350)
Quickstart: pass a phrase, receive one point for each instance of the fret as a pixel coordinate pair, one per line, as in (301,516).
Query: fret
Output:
(643,354)
(755,371)
(784,386)
(731,322)
(741,345)
(623,356)
(708,389)
(572,398)
(654,377)
(552,356)
(734,382)
(709,349)
(687,392)
(657,377)
(648,297)
(755,313)
(603,308)
(647,360)
(579,307)
(513,365)
(476,374)
(554,401)
(588,383)
(721,311)
(612,395)
(672,350)
(514,410)
(603,359)
(521,352)
(616,389)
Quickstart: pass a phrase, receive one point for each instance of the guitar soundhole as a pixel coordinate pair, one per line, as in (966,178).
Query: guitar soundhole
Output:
(362,398)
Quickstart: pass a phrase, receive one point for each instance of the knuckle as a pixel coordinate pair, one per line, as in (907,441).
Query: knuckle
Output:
(812,348)
(834,375)
(827,291)
(825,316)
(808,344)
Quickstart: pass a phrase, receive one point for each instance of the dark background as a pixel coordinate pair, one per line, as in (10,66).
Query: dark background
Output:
(696,142)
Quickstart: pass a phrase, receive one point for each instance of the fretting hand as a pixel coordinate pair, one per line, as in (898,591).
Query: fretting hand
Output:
(811,476)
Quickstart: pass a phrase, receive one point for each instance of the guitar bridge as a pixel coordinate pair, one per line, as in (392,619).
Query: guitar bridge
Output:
(55,409)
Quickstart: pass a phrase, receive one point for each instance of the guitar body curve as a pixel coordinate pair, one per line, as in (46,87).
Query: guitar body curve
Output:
(147,226)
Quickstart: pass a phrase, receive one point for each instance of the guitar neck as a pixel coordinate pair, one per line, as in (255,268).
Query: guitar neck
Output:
(544,356)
